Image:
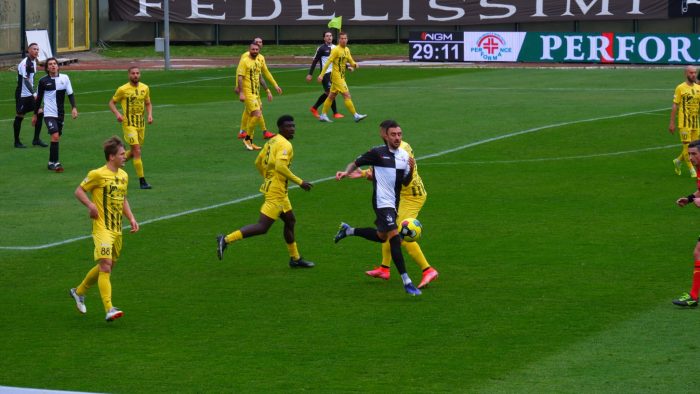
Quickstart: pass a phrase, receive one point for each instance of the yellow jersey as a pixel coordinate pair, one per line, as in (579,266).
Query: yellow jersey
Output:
(133,100)
(687,100)
(273,163)
(108,190)
(250,70)
(263,68)
(339,58)
(415,188)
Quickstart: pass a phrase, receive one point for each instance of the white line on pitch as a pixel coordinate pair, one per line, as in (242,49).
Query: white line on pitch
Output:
(437,154)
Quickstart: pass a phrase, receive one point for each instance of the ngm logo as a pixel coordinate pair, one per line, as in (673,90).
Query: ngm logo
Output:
(424,36)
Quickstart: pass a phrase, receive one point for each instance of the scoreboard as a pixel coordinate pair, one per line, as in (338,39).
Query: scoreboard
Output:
(466,46)
(436,46)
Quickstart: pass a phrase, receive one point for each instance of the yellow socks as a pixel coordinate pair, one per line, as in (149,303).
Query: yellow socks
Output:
(262,123)
(89,280)
(234,236)
(293,251)
(413,250)
(326,106)
(105,286)
(416,254)
(252,121)
(244,120)
(350,106)
(138,166)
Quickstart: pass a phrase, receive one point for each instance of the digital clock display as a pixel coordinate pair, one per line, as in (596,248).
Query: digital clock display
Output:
(436,47)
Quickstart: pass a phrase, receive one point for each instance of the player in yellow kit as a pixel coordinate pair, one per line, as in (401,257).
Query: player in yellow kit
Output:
(245,117)
(686,102)
(412,198)
(339,59)
(273,163)
(135,99)
(108,187)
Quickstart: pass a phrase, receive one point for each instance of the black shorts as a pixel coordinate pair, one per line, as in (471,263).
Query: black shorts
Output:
(386,219)
(54,125)
(326,82)
(25,104)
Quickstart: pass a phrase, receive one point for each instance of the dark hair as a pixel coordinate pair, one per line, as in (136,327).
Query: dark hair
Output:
(111,146)
(131,68)
(46,63)
(388,124)
(694,144)
(342,33)
(284,118)
(327,32)
(32,44)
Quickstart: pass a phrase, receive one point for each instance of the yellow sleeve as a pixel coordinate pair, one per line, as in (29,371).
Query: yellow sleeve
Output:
(91,181)
(282,168)
(259,161)
(351,60)
(118,95)
(266,72)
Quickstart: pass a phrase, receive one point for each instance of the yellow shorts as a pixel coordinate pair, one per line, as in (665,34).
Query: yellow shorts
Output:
(133,135)
(273,207)
(252,103)
(108,245)
(409,207)
(339,87)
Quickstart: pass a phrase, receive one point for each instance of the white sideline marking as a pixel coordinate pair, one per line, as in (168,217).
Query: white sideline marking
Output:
(437,154)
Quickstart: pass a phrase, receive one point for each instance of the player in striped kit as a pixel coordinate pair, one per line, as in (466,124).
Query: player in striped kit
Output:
(52,90)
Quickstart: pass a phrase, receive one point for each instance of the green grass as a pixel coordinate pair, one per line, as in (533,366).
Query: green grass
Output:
(550,217)
(307,50)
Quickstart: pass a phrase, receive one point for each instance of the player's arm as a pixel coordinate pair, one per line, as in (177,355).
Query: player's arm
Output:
(149,109)
(282,167)
(85,200)
(239,88)
(352,61)
(129,215)
(26,80)
(269,77)
(259,160)
(349,169)
(267,90)
(37,103)
(409,176)
(672,124)
(317,59)
(113,106)
(71,99)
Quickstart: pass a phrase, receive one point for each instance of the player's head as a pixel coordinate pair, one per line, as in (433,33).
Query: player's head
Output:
(51,66)
(386,124)
(391,133)
(254,50)
(258,40)
(691,73)
(286,126)
(342,39)
(134,74)
(694,152)
(33,50)
(327,37)
(114,151)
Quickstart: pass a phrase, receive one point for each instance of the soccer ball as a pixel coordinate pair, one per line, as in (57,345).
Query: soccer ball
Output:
(410,229)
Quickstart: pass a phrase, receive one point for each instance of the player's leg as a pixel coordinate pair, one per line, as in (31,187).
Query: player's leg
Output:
(683,157)
(37,131)
(691,299)
(107,249)
(244,123)
(397,256)
(21,109)
(295,259)
(269,212)
(323,117)
(54,127)
(78,293)
(254,113)
(351,106)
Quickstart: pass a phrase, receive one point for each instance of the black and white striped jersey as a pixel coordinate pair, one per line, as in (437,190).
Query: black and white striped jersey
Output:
(25,78)
(53,91)
(390,172)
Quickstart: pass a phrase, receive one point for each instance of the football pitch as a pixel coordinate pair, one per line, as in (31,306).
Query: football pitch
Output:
(550,217)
